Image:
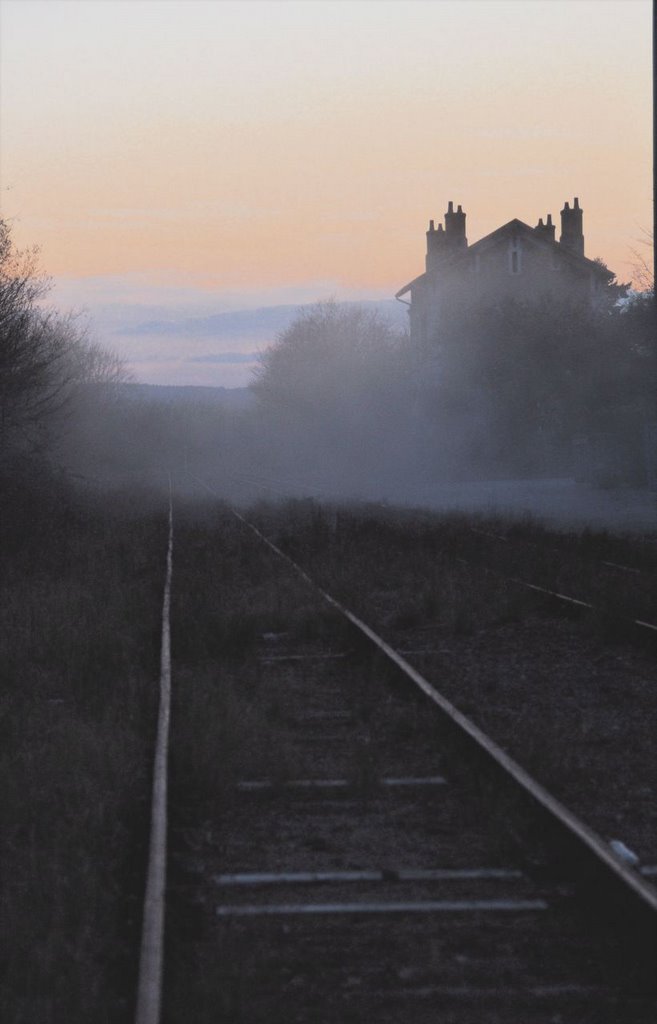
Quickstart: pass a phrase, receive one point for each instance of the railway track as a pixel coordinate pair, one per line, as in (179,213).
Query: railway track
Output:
(368,852)
(567,688)
(602,583)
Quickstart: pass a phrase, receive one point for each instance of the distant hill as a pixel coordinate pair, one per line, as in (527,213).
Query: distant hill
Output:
(231,398)
(259,325)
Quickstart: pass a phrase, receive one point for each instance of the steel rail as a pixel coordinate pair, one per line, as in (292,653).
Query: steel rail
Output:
(573,600)
(564,598)
(597,860)
(551,550)
(149,985)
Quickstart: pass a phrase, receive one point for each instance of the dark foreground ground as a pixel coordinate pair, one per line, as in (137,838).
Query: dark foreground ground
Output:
(572,698)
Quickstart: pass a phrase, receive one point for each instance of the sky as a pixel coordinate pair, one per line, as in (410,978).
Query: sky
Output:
(179,158)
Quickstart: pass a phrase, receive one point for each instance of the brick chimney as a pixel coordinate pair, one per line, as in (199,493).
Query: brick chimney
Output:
(546,230)
(436,245)
(455,227)
(571,228)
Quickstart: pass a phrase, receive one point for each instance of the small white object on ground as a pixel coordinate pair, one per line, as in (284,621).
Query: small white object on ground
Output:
(624,852)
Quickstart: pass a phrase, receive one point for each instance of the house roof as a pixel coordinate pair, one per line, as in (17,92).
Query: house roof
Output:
(407,287)
(517,227)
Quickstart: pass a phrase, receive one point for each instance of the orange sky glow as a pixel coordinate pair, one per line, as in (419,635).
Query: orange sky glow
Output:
(251,146)
(253,143)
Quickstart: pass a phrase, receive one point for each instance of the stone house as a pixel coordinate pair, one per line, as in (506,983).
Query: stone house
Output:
(516,261)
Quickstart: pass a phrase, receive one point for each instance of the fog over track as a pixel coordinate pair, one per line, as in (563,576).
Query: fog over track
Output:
(519,410)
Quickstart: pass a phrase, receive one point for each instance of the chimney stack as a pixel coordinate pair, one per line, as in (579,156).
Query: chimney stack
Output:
(451,238)
(455,227)
(546,230)
(435,245)
(572,237)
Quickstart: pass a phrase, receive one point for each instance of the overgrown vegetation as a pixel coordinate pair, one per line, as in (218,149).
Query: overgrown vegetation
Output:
(80,595)
(229,594)
(48,366)
(425,549)
(509,390)
(523,389)
(81,584)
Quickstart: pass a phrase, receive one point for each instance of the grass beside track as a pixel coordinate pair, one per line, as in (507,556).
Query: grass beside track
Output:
(411,552)
(80,601)
(228,592)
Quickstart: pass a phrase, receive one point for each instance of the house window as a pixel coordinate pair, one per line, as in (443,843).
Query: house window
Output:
(515,261)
